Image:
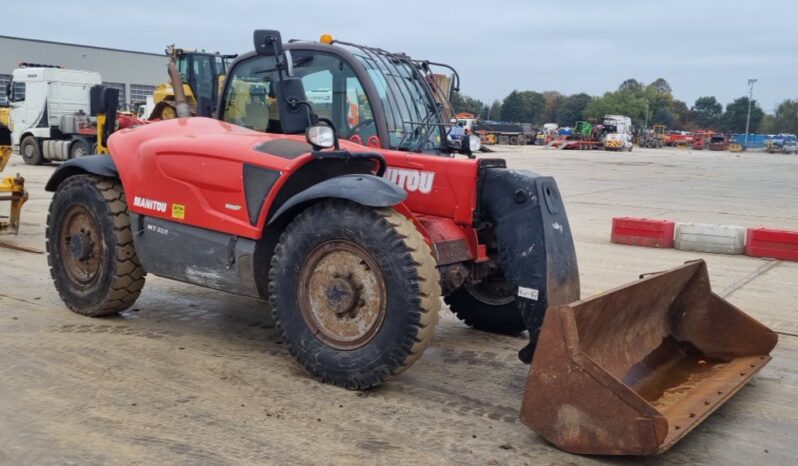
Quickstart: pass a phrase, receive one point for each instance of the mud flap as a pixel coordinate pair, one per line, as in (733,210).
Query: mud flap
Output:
(536,249)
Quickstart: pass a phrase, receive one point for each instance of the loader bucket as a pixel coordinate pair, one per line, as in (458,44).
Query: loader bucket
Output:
(631,371)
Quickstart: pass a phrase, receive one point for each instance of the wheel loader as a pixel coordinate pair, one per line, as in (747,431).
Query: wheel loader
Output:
(353,230)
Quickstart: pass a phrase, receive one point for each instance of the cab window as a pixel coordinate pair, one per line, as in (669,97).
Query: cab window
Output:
(331,88)
(17,93)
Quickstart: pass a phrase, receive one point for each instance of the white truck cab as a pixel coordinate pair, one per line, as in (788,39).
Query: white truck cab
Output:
(40,98)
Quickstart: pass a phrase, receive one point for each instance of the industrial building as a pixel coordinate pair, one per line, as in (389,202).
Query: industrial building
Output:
(135,74)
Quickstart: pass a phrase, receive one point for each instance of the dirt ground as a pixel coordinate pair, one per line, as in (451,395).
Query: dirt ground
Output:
(193,376)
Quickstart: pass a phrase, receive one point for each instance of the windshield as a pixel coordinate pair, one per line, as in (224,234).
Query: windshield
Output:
(414,119)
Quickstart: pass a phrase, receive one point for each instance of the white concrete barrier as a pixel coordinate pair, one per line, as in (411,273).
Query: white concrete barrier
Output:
(703,237)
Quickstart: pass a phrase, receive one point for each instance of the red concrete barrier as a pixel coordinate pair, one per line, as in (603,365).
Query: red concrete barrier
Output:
(778,244)
(642,232)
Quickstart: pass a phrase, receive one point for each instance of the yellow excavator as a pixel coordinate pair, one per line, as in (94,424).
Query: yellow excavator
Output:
(202,74)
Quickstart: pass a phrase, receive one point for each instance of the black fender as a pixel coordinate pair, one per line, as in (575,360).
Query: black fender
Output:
(368,190)
(102,165)
(535,245)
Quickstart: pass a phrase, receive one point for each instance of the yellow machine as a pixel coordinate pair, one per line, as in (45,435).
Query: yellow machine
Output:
(202,75)
(12,189)
(5,118)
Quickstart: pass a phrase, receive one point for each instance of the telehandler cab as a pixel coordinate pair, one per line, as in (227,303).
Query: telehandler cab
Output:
(328,185)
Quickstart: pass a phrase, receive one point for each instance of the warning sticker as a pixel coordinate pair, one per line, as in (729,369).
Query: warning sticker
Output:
(178,211)
(528,293)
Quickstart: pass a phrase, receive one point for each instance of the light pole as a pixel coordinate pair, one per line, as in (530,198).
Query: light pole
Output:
(750,100)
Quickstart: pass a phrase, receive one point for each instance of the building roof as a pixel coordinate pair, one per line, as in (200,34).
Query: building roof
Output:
(68,44)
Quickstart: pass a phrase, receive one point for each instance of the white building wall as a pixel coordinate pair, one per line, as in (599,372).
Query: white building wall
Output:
(115,66)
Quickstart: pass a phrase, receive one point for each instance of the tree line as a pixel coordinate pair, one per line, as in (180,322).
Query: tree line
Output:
(645,104)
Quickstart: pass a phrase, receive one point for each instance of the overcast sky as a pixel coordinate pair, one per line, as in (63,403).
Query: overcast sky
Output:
(701,47)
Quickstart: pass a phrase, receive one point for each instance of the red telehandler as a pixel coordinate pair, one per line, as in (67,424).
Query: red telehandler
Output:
(354,243)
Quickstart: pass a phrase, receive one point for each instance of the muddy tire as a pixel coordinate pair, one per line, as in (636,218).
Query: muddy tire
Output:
(31,151)
(90,247)
(487,308)
(355,293)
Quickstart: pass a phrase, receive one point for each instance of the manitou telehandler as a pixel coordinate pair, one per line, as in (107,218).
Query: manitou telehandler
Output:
(353,222)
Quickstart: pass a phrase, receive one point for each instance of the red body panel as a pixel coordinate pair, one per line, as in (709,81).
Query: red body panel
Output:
(191,171)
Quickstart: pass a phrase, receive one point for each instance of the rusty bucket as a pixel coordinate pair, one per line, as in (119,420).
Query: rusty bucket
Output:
(631,371)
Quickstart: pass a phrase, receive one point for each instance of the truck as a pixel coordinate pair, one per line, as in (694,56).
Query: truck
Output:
(52,118)
(618,133)
(781,144)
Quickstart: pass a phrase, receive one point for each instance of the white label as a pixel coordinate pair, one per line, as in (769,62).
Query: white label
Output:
(149,204)
(411,180)
(528,293)
(157,229)
(232,206)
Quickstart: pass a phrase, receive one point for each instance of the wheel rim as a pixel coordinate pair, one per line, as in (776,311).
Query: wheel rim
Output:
(80,245)
(27,151)
(79,151)
(342,294)
(492,290)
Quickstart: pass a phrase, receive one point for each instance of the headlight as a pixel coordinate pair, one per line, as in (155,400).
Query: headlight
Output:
(474,143)
(320,136)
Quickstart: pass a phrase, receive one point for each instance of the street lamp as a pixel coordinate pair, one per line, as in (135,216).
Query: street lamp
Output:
(750,100)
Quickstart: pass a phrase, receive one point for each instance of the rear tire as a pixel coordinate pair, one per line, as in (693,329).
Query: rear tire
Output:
(31,151)
(355,293)
(90,247)
(486,309)
(80,147)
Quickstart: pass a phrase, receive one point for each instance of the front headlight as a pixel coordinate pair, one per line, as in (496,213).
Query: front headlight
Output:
(474,143)
(320,136)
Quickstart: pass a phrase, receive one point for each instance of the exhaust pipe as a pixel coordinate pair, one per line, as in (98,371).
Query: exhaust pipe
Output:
(182,108)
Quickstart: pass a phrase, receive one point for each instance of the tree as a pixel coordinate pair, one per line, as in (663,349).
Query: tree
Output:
(513,107)
(572,109)
(662,117)
(706,112)
(465,104)
(786,117)
(660,86)
(526,106)
(631,85)
(495,110)
(617,103)
(681,115)
(734,117)
(552,101)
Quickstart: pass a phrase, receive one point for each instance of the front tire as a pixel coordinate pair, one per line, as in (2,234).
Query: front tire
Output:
(355,293)
(31,151)
(90,247)
(489,306)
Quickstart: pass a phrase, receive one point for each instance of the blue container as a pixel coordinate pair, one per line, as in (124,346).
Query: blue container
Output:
(755,141)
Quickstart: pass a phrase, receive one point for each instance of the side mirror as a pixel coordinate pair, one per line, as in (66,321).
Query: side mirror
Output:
(268,42)
(295,112)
